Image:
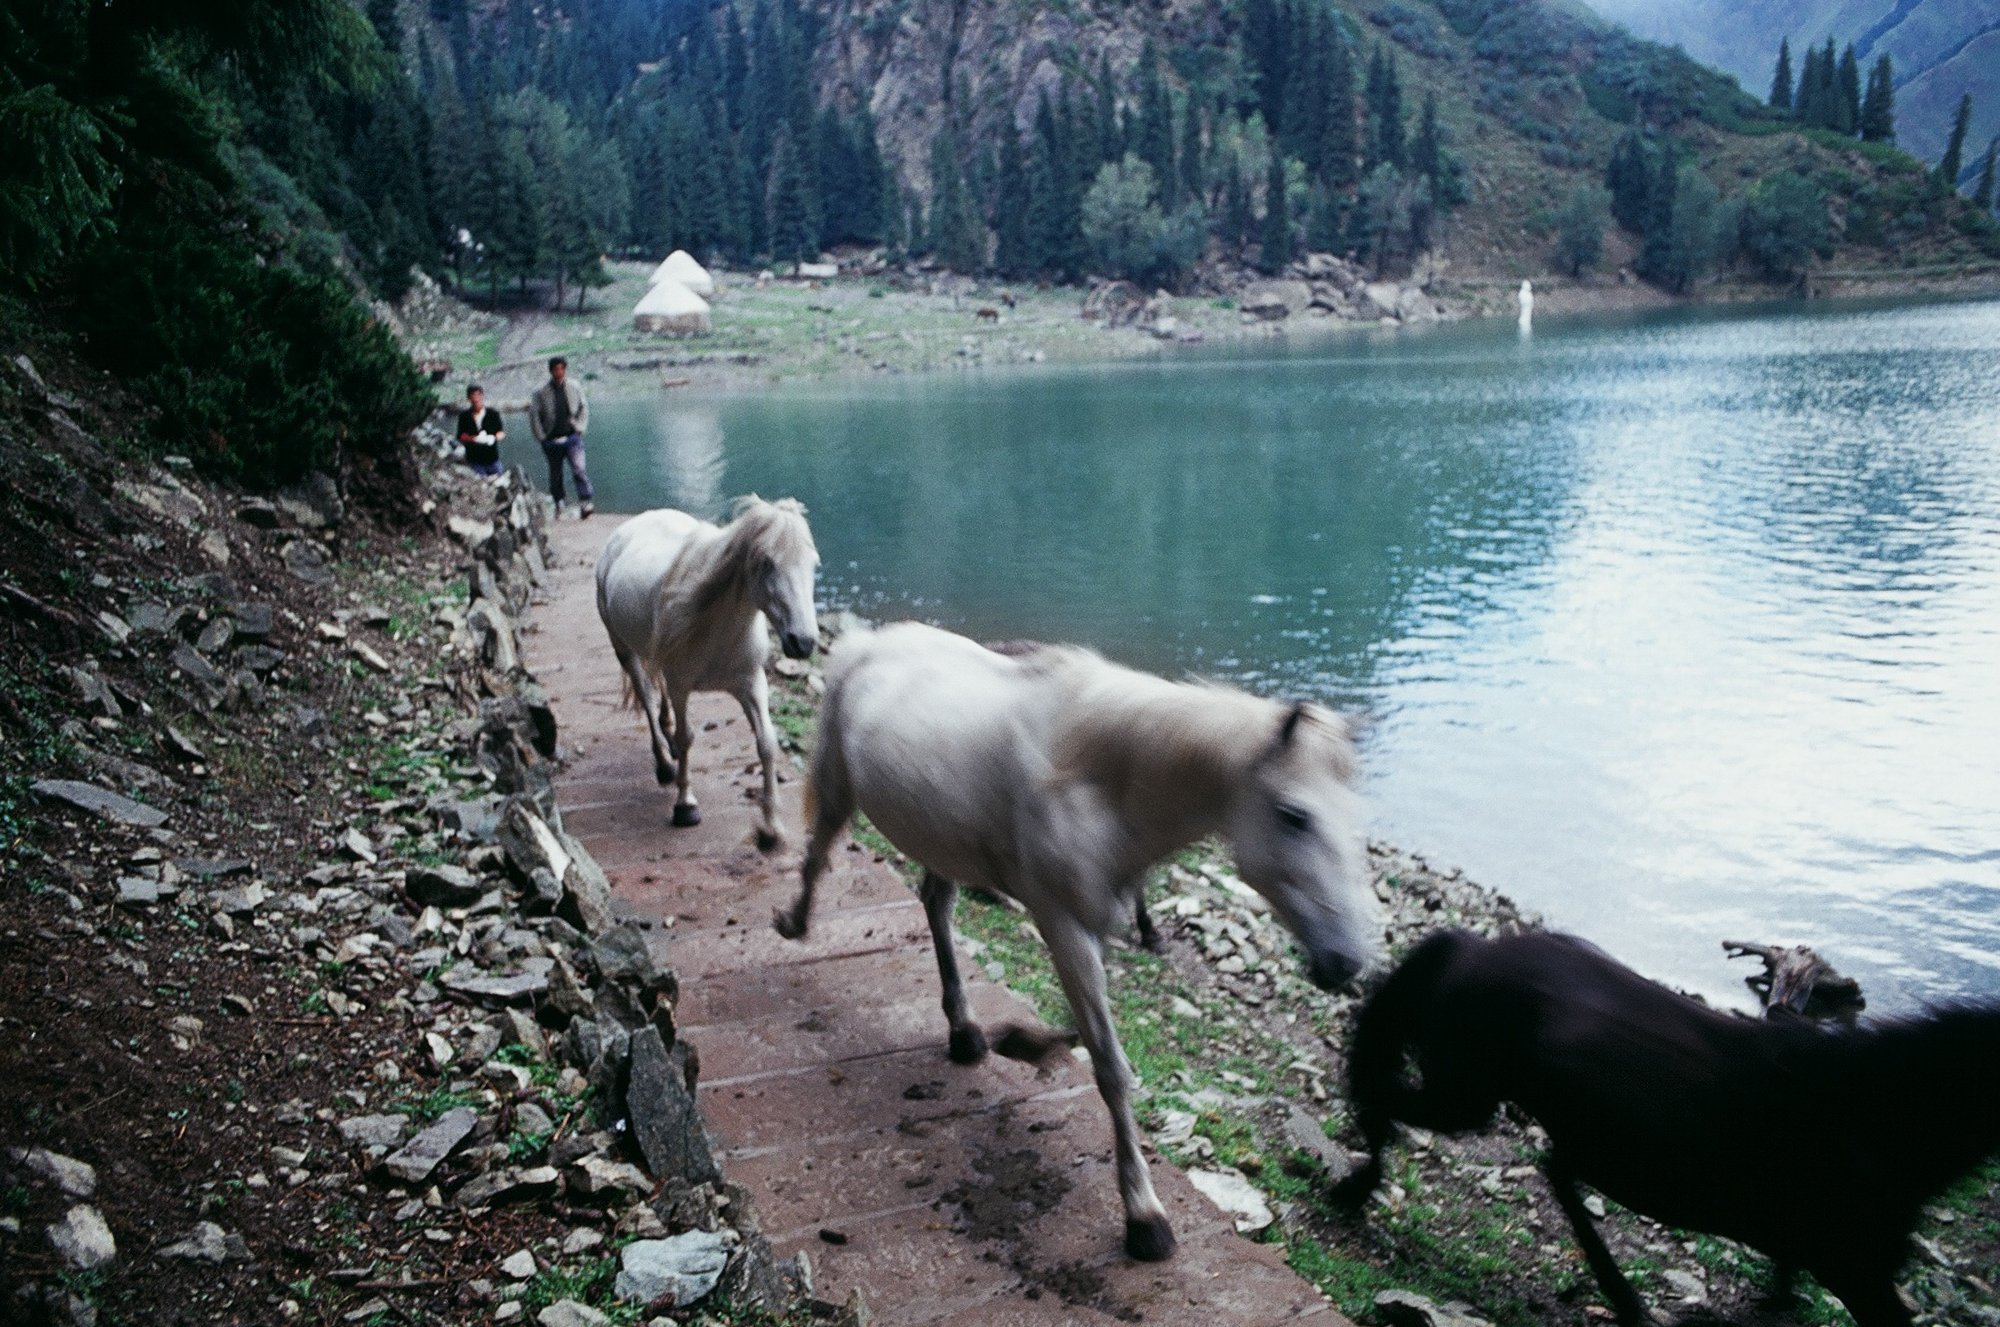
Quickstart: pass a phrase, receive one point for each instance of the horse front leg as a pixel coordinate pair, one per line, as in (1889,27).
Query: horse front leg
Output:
(1625,1301)
(755,699)
(939,895)
(686,813)
(1079,962)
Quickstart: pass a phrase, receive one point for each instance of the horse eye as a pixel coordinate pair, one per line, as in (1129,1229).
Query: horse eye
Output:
(1294,817)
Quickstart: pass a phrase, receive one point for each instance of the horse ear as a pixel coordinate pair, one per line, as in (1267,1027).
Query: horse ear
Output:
(1290,727)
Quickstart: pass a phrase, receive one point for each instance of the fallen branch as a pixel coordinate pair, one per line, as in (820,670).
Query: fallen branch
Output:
(1799,981)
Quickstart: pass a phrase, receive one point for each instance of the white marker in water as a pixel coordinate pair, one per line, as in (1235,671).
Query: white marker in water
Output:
(1527,298)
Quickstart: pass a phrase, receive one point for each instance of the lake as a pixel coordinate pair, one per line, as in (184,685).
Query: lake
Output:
(1676,627)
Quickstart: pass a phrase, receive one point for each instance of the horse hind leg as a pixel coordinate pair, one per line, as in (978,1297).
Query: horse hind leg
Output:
(939,895)
(686,813)
(654,706)
(1149,935)
(829,806)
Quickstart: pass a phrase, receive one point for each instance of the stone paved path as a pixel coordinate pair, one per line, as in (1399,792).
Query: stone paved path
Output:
(969,1196)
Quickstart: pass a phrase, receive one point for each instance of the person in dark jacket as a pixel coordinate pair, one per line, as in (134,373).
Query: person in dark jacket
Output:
(559,416)
(480,432)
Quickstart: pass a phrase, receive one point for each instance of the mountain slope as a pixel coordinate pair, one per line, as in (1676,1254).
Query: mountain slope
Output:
(1941,49)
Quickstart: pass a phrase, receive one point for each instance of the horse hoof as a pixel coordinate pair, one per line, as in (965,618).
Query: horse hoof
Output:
(788,924)
(968,1045)
(686,814)
(1149,1239)
(1352,1193)
(663,774)
(767,839)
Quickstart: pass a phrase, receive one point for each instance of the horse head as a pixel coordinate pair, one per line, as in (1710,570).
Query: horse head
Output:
(782,561)
(1295,824)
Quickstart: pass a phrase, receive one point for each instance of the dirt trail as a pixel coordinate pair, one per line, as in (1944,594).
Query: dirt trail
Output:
(975,1196)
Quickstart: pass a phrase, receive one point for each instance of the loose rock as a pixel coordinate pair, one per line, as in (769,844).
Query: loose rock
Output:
(81,1240)
(414,1163)
(676,1271)
(101,802)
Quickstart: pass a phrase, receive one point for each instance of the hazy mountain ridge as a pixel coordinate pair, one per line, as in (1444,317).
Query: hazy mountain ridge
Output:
(1942,50)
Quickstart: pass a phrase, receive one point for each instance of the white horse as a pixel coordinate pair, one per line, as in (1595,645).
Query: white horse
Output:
(1053,776)
(685,603)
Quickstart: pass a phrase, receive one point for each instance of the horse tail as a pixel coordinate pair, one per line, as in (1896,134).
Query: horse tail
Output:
(1390,1020)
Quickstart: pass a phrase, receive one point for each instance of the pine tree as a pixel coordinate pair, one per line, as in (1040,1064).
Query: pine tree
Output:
(792,207)
(873,182)
(1629,178)
(1055,233)
(1656,256)
(1781,78)
(1848,87)
(735,65)
(1805,101)
(1276,252)
(1322,220)
(1385,112)
(1982,193)
(1110,138)
(1426,151)
(1013,254)
(1189,152)
(1951,163)
(1236,218)
(957,236)
(512,235)
(1878,107)
(388,25)
(1338,146)
(1826,94)
(1155,143)
(1264,53)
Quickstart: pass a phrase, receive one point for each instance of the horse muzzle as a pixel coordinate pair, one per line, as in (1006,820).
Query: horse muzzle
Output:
(798,645)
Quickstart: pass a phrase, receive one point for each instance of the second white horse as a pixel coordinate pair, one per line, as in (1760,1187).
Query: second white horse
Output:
(685,603)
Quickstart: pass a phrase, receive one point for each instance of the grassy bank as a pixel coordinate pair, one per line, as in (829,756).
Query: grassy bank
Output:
(771,331)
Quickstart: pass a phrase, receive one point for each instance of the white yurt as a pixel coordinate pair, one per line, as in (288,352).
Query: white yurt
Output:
(671,307)
(680,266)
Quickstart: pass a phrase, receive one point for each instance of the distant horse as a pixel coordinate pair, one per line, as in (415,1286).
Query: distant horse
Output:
(986,315)
(1047,774)
(1819,1148)
(685,604)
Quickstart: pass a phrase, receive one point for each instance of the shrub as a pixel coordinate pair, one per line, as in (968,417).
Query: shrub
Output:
(1783,224)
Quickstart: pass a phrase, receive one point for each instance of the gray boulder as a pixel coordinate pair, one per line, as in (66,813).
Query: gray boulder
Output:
(443,886)
(676,1271)
(664,1121)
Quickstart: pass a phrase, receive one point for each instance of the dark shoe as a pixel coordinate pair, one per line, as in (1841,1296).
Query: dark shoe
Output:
(583,513)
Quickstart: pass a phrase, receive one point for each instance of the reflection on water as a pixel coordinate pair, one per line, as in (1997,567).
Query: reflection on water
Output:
(1677,627)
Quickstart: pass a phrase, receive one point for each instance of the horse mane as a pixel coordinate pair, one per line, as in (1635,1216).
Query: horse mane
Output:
(759,536)
(1117,718)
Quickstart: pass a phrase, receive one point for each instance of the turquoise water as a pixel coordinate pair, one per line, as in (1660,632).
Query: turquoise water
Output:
(1676,627)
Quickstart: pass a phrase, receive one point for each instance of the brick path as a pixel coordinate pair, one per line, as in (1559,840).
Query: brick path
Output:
(824,1076)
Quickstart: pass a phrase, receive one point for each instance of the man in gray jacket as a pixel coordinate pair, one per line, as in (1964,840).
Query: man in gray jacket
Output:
(559,415)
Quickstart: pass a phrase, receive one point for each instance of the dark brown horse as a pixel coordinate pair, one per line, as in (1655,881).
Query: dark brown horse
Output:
(1818,1148)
